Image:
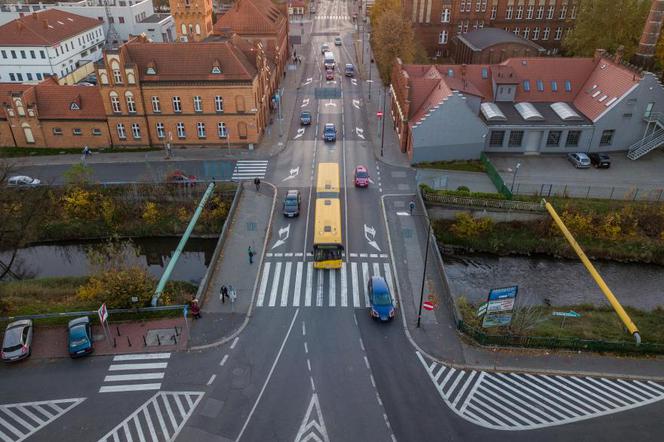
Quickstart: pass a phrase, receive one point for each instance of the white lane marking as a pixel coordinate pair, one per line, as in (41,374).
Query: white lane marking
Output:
(353,255)
(333,289)
(298,284)
(388,278)
(344,286)
(376,269)
(365,279)
(304,329)
(359,132)
(131,387)
(309,288)
(146,366)
(300,132)
(134,357)
(234,342)
(263,288)
(320,282)
(223,360)
(275,284)
(211,380)
(313,427)
(269,376)
(354,285)
(133,377)
(286,285)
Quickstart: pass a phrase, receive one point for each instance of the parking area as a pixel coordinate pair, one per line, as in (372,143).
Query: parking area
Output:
(549,175)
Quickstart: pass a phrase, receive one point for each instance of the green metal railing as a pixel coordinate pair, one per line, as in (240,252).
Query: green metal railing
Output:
(495,177)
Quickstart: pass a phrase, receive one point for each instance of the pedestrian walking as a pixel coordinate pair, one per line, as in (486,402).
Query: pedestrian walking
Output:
(257,183)
(195,308)
(86,152)
(251,255)
(411,206)
(224,293)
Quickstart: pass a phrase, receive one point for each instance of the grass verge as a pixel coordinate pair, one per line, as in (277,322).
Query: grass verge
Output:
(465,166)
(14,152)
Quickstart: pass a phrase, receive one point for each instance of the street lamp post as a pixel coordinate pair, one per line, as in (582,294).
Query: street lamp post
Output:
(382,133)
(424,271)
(516,170)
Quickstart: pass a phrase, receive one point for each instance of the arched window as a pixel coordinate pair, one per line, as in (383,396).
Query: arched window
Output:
(130,78)
(27,131)
(19,107)
(198,29)
(184,29)
(103,78)
(131,103)
(117,75)
(115,102)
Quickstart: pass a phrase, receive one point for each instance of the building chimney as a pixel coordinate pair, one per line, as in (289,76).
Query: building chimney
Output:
(619,54)
(599,53)
(645,55)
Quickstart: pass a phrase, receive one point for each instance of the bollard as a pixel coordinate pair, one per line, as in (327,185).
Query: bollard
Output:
(118,330)
(158,340)
(177,333)
(128,341)
(175,339)
(114,343)
(145,342)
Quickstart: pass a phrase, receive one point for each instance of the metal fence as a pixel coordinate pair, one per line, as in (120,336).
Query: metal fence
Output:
(555,343)
(621,193)
(452,200)
(495,176)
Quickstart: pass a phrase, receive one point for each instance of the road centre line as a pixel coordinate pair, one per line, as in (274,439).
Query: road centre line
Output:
(223,360)
(212,378)
(304,329)
(306,348)
(313,386)
(308,364)
(269,376)
(234,342)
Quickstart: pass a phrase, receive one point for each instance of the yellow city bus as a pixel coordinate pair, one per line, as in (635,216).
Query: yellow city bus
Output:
(328,245)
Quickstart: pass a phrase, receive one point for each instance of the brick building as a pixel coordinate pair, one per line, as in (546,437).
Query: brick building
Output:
(491,45)
(544,22)
(196,94)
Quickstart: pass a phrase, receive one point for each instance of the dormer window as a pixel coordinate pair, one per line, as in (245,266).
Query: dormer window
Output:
(150,71)
(216,67)
(74,106)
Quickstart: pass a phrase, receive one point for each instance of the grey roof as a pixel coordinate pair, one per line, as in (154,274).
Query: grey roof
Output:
(487,37)
(550,117)
(155,18)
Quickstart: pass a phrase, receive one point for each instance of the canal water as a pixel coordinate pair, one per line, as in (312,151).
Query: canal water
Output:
(71,258)
(544,280)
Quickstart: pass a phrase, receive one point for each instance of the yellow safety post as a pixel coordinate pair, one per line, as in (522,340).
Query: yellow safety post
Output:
(624,317)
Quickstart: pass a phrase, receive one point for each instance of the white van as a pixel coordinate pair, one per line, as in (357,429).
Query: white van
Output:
(328,58)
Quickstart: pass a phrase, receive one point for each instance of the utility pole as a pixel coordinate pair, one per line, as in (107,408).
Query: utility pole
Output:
(382,133)
(424,272)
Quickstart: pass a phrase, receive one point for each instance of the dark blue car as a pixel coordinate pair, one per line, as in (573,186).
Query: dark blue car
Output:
(79,337)
(329,132)
(382,304)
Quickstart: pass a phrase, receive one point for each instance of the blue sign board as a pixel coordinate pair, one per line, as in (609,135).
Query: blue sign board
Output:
(503,293)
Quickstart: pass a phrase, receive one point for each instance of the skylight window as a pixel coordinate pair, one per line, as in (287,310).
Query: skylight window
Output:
(565,111)
(528,112)
(604,97)
(492,112)
(611,101)
(596,94)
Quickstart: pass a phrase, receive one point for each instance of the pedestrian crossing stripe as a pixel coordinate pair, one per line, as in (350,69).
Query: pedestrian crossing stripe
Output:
(161,418)
(249,169)
(142,367)
(332,17)
(21,420)
(298,284)
(520,401)
(343,254)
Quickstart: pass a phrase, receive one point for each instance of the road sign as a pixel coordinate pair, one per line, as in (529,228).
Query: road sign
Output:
(103,313)
(379,114)
(497,320)
(481,309)
(427,305)
(569,314)
(185,311)
(499,306)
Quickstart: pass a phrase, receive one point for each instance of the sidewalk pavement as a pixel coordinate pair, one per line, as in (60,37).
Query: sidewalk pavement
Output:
(249,227)
(126,337)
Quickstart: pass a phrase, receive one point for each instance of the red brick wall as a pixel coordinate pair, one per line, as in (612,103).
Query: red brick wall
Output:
(68,139)
(6,138)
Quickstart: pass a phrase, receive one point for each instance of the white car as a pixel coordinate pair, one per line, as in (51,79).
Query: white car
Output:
(23,181)
(579,160)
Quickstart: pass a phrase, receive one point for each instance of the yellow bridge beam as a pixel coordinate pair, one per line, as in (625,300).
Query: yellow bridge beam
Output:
(624,317)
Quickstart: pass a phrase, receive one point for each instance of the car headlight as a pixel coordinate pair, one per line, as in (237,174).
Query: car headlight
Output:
(374,312)
(392,312)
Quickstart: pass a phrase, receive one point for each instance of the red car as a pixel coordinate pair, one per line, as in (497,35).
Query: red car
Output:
(329,74)
(361,178)
(179,177)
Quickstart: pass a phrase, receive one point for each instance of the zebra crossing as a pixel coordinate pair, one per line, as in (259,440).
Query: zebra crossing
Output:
(161,418)
(332,17)
(249,169)
(22,420)
(298,284)
(519,401)
(131,371)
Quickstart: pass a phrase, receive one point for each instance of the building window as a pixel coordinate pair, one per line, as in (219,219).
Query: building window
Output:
(23,54)
(483,5)
(200,129)
(526,85)
(160,130)
(553,139)
(573,12)
(540,12)
(465,27)
(444,16)
(32,55)
(554,86)
(559,33)
(19,76)
(648,112)
(568,86)
(117,76)
(4,53)
(29,75)
(516,31)
(14,53)
(156,108)
(42,54)
(218,104)
(77,132)
(221,130)
(485,73)
(180,129)
(509,12)
(121,19)
(549,14)
(516,138)
(462,6)
(39,76)
(12,77)
(573,137)
(96,132)
(198,104)
(540,85)
(442,38)
(121,131)
(563,12)
(57,131)
(529,12)
(496,138)
(545,34)
(526,33)
(607,138)
(536,33)
(519,12)
(177,107)
(136,131)
(131,103)
(115,102)
(494,11)
(460,27)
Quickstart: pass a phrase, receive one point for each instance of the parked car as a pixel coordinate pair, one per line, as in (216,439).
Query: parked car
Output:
(350,70)
(292,202)
(179,177)
(600,160)
(79,337)
(84,83)
(329,74)
(324,48)
(18,340)
(305,118)
(23,181)
(92,78)
(380,299)
(361,177)
(579,160)
(337,41)
(330,132)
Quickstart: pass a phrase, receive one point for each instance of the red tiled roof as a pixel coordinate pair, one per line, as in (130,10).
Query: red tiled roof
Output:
(611,81)
(252,17)
(54,102)
(44,28)
(190,61)
(430,93)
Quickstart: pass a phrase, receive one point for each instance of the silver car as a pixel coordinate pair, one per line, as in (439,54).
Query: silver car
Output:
(18,340)
(23,181)
(579,160)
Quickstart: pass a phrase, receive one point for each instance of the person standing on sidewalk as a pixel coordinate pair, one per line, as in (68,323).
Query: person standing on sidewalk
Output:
(257,183)
(195,308)
(251,255)
(224,294)
(411,206)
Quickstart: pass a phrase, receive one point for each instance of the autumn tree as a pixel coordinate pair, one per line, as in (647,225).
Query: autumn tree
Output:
(607,24)
(392,37)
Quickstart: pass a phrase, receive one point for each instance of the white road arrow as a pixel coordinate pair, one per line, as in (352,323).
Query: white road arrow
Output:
(356,103)
(309,80)
(300,132)
(313,426)
(283,236)
(369,234)
(293,174)
(305,102)
(359,132)
(354,81)
(329,103)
